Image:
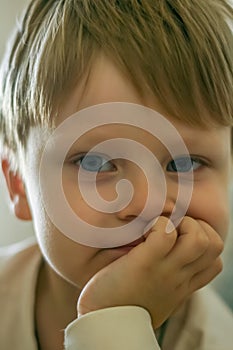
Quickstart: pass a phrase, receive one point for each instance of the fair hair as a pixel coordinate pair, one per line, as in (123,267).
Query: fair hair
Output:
(179,50)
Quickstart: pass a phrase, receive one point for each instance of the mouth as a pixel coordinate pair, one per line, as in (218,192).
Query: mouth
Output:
(132,244)
(123,249)
(126,248)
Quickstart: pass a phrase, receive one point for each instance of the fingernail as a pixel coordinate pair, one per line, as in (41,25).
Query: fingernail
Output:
(170,227)
(149,225)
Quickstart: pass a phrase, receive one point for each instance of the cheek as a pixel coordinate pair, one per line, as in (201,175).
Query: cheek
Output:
(72,261)
(83,209)
(69,259)
(211,204)
(86,204)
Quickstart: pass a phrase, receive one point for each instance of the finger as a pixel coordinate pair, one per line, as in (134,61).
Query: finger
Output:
(205,276)
(216,243)
(214,249)
(191,244)
(158,243)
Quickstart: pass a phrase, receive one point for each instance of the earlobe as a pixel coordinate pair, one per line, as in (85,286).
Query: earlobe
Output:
(16,191)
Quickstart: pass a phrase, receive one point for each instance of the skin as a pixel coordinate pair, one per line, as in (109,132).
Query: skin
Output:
(187,259)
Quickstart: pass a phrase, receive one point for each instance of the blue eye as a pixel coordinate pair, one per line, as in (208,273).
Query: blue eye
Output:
(184,164)
(94,163)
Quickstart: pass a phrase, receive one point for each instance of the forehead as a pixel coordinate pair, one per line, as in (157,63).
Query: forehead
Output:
(105,82)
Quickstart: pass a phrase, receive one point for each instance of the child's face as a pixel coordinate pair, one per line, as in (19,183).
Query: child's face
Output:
(76,262)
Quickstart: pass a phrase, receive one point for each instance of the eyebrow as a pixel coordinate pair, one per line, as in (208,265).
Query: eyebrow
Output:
(199,139)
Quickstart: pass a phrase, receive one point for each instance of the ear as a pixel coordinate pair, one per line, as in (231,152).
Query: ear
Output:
(17,192)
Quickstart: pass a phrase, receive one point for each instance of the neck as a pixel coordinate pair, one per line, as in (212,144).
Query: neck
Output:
(55,307)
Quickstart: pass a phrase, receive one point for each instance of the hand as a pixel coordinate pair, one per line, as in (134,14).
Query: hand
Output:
(158,274)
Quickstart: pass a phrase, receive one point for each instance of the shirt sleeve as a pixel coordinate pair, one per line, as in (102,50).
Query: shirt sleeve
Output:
(115,328)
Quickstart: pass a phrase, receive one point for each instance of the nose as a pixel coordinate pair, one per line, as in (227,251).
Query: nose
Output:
(151,198)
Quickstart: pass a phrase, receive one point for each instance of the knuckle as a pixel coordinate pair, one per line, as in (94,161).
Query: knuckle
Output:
(163,221)
(219,245)
(186,223)
(201,241)
(216,268)
(215,241)
(219,266)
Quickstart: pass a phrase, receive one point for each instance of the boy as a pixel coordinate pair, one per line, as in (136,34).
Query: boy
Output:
(175,58)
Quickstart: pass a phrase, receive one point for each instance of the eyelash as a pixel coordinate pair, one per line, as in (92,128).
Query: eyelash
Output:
(101,164)
(192,159)
(104,161)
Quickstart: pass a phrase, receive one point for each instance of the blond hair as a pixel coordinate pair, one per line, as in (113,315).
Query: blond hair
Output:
(180,50)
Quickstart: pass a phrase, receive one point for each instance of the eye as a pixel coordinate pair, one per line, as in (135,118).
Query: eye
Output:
(184,164)
(94,163)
